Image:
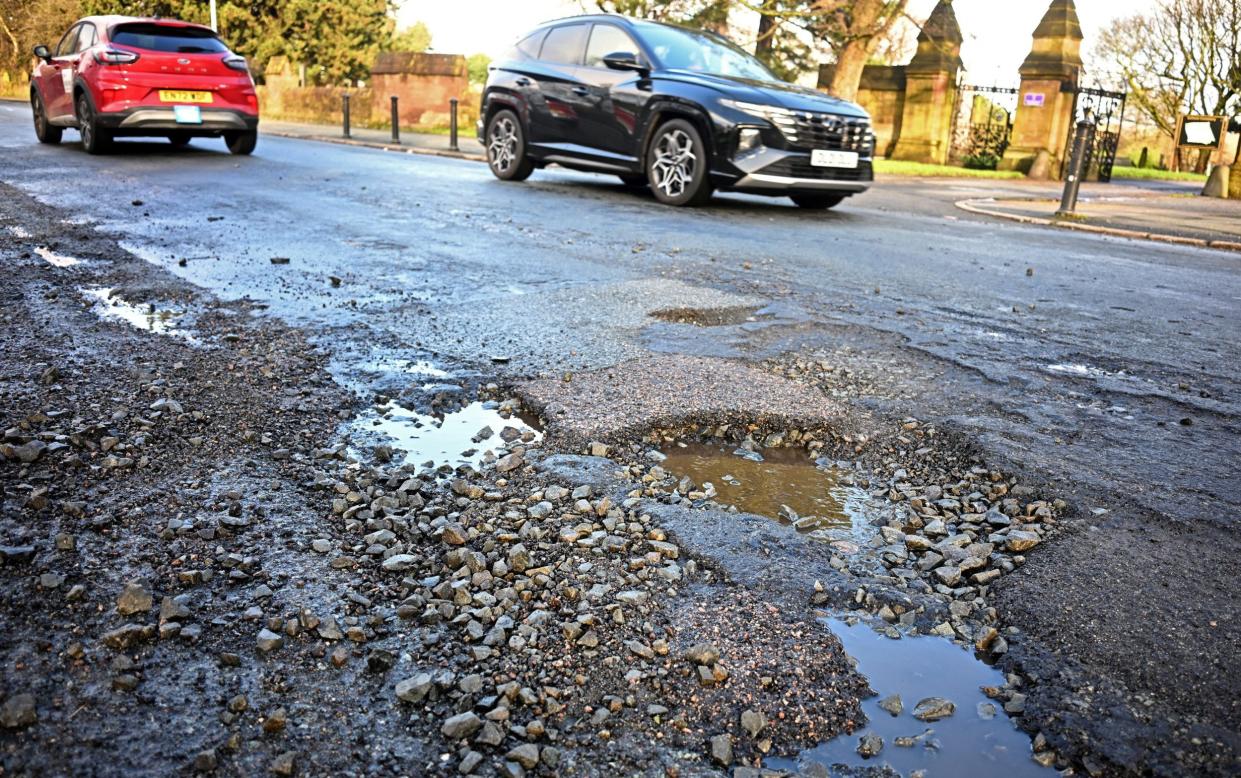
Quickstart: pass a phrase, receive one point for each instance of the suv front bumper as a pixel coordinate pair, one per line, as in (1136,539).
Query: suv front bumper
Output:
(781,171)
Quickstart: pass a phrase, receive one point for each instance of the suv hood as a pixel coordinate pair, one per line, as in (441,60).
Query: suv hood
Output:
(778,93)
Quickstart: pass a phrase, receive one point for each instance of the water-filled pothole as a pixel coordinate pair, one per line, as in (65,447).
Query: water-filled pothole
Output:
(976,741)
(781,483)
(463,437)
(712,317)
(148,317)
(56,260)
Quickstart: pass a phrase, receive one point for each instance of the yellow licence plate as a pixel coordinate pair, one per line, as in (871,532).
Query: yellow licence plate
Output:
(173,96)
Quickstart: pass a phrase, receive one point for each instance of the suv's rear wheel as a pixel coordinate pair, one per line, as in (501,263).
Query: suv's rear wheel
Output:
(44,130)
(817,202)
(241,142)
(95,139)
(677,164)
(506,147)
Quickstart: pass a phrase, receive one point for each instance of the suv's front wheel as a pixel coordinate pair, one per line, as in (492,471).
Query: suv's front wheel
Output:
(506,147)
(677,164)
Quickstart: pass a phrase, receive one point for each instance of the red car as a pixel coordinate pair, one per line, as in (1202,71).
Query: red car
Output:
(115,76)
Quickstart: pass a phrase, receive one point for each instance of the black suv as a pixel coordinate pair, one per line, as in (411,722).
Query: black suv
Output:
(684,110)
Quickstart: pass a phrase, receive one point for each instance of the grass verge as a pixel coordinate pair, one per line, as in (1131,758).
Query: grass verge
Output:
(891,167)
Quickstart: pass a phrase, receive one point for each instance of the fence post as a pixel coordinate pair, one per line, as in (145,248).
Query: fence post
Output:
(344,100)
(1077,164)
(396,122)
(452,124)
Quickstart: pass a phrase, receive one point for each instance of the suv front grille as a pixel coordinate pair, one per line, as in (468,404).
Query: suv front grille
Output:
(804,130)
(800,167)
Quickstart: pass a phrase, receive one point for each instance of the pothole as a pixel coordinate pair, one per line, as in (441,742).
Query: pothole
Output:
(712,317)
(977,739)
(469,436)
(56,260)
(147,317)
(782,483)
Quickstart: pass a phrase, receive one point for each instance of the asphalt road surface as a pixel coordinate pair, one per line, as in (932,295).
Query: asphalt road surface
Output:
(1105,368)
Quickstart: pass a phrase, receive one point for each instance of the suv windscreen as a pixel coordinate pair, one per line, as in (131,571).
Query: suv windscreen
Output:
(681,49)
(163,37)
(564,44)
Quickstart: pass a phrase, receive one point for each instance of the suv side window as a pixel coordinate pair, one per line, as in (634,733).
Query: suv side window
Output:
(87,37)
(528,47)
(608,39)
(68,44)
(564,45)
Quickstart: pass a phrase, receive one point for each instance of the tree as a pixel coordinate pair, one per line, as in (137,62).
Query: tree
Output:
(477,65)
(25,24)
(416,38)
(336,40)
(1183,56)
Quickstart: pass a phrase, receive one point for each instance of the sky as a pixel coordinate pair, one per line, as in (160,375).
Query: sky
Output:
(997,32)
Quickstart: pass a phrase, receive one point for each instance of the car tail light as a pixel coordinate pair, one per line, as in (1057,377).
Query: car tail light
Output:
(111,56)
(237,62)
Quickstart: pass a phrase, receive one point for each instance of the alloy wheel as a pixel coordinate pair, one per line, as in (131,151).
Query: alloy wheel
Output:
(502,145)
(86,125)
(675,162)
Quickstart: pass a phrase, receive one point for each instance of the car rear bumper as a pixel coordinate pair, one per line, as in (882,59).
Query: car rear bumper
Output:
(142,120)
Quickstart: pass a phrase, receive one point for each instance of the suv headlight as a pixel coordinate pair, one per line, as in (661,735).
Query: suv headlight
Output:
(756,109)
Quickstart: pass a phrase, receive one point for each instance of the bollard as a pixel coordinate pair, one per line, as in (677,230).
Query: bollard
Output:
(452,124)
(396,122)
(1077,164)
(344,100)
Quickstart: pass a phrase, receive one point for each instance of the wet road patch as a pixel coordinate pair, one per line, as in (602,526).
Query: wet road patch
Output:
(929,712)
(56,260)
(712,317)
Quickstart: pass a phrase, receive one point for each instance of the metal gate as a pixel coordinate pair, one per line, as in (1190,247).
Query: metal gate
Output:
(1108,109)
(982,124)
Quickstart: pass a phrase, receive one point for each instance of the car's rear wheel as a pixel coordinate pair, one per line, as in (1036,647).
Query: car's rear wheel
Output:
(95,139)
(506,147)
(677,164)
(817,202)
(241,142)
(44,130)
(179,139)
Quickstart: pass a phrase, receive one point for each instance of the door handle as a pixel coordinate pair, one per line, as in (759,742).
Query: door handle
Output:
(581,91)
(523,81)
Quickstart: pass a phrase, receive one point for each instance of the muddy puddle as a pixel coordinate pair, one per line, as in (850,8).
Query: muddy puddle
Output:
(463,437)
(781,483)
(976,741)
(147,316)
(713,317)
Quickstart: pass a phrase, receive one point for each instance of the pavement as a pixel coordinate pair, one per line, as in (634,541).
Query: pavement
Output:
(1097,369)
(1176,218)
(414,142)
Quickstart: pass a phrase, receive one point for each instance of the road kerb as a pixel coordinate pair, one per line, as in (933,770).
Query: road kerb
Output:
(379,145)
(973,206)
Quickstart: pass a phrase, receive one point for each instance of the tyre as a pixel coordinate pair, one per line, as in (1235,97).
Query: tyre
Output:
(506,147)
(634,181)
(43,129)
(179,139)
(676,164)
(95,139)
(241,142)
(817,202)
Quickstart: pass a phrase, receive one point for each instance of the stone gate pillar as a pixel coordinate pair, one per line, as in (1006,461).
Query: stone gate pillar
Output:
(931,90)
(1045,103)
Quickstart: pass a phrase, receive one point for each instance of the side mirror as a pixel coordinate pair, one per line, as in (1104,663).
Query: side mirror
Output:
(43,53)
(625,60)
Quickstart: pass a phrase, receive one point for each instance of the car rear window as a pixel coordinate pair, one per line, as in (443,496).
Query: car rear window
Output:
(163,37)
(564,45)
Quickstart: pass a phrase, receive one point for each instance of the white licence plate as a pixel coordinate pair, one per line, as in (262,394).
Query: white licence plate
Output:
(187,114)
(825,158)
